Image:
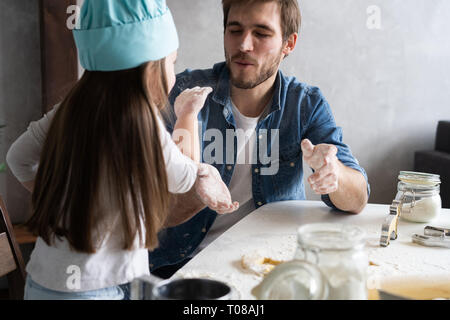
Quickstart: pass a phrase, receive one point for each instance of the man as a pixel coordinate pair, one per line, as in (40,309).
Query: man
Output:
(251,94)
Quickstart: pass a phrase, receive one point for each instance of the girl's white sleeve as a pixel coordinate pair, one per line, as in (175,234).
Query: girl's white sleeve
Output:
(24,154)
(181,170)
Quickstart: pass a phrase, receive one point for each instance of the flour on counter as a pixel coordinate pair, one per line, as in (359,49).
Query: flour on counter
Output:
(400,259)
(275,247)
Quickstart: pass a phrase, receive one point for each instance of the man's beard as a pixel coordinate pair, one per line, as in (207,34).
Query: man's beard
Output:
(268,70)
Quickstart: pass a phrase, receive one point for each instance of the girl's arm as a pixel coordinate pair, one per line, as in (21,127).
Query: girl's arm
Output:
(193,185)
(24,154)
(186,134)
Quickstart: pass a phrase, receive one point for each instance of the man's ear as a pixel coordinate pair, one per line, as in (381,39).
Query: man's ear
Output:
(289,44)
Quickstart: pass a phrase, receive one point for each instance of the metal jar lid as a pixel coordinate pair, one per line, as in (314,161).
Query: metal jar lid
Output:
(419,178)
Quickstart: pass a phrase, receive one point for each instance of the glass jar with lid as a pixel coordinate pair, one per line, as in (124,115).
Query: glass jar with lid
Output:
(418,195)
(339,252)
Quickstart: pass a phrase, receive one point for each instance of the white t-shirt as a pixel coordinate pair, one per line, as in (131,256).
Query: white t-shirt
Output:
(59,268)
(241,181)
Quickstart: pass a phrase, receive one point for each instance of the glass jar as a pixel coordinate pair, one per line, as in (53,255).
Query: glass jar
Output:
(419,196)
(338,251)
(293,280)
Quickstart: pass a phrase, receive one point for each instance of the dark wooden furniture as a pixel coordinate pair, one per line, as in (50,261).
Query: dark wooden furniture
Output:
(11,261)
(59,72)
(437,160)
(23,236)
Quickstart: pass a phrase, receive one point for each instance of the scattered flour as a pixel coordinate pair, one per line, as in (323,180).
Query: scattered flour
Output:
(402,258)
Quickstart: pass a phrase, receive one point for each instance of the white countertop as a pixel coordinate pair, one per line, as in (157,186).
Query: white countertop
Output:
(271,231)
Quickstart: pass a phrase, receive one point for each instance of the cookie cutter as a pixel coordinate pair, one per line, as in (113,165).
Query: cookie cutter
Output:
(433,237)
(390,224)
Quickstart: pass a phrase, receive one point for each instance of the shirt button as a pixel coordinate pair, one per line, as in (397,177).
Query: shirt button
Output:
(182,255)
(229,168)
(259,203)
(292,164)
(151,265)
(256,170)
(204,230)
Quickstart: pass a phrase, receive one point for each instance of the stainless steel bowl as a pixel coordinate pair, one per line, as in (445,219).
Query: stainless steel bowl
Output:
(151,288)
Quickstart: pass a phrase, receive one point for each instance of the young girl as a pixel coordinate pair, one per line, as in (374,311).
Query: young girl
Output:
(106,164)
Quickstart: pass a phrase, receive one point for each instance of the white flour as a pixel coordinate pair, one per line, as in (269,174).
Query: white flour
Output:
(424,210)
(280,247)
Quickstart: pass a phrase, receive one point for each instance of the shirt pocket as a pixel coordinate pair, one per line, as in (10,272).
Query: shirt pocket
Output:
(288,181)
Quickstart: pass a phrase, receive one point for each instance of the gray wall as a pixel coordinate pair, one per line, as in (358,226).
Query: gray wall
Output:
(20,93)
(387,87)
(20,88)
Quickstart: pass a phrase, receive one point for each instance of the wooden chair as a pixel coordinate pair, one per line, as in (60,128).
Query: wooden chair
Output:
(23,236)
(11,260)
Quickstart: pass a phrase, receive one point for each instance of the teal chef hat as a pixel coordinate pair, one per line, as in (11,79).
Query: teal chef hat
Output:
(123,34)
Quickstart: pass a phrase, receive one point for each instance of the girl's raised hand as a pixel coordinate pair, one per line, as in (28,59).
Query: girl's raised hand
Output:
(191,101)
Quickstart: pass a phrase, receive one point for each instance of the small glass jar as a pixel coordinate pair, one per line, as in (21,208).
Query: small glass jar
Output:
(419,196)
(338,251)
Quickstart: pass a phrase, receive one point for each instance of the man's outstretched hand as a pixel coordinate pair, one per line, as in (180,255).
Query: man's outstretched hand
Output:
(322,158)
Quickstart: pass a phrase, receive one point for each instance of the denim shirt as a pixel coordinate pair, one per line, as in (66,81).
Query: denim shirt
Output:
(297,111)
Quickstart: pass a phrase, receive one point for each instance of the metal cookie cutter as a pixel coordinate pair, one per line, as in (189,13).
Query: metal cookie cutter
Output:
(436,231)
(433,237)
(389,227)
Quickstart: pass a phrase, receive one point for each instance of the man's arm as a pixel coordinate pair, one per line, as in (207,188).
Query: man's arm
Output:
(183,207)
(351,194)
(338,177)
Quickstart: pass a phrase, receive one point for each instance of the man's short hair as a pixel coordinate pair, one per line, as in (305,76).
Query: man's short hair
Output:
(290,14)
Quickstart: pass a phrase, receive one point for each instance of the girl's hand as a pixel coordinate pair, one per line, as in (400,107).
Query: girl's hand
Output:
(212,191)
(191,101)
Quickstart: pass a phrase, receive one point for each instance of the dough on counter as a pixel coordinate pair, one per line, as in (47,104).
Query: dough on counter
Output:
(258,264)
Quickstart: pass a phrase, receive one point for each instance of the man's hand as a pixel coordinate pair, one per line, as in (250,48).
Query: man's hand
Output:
(346,187)
(212,191)
(191,101)
(322,158)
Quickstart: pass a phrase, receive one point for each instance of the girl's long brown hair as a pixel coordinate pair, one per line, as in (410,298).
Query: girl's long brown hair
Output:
(102,155)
